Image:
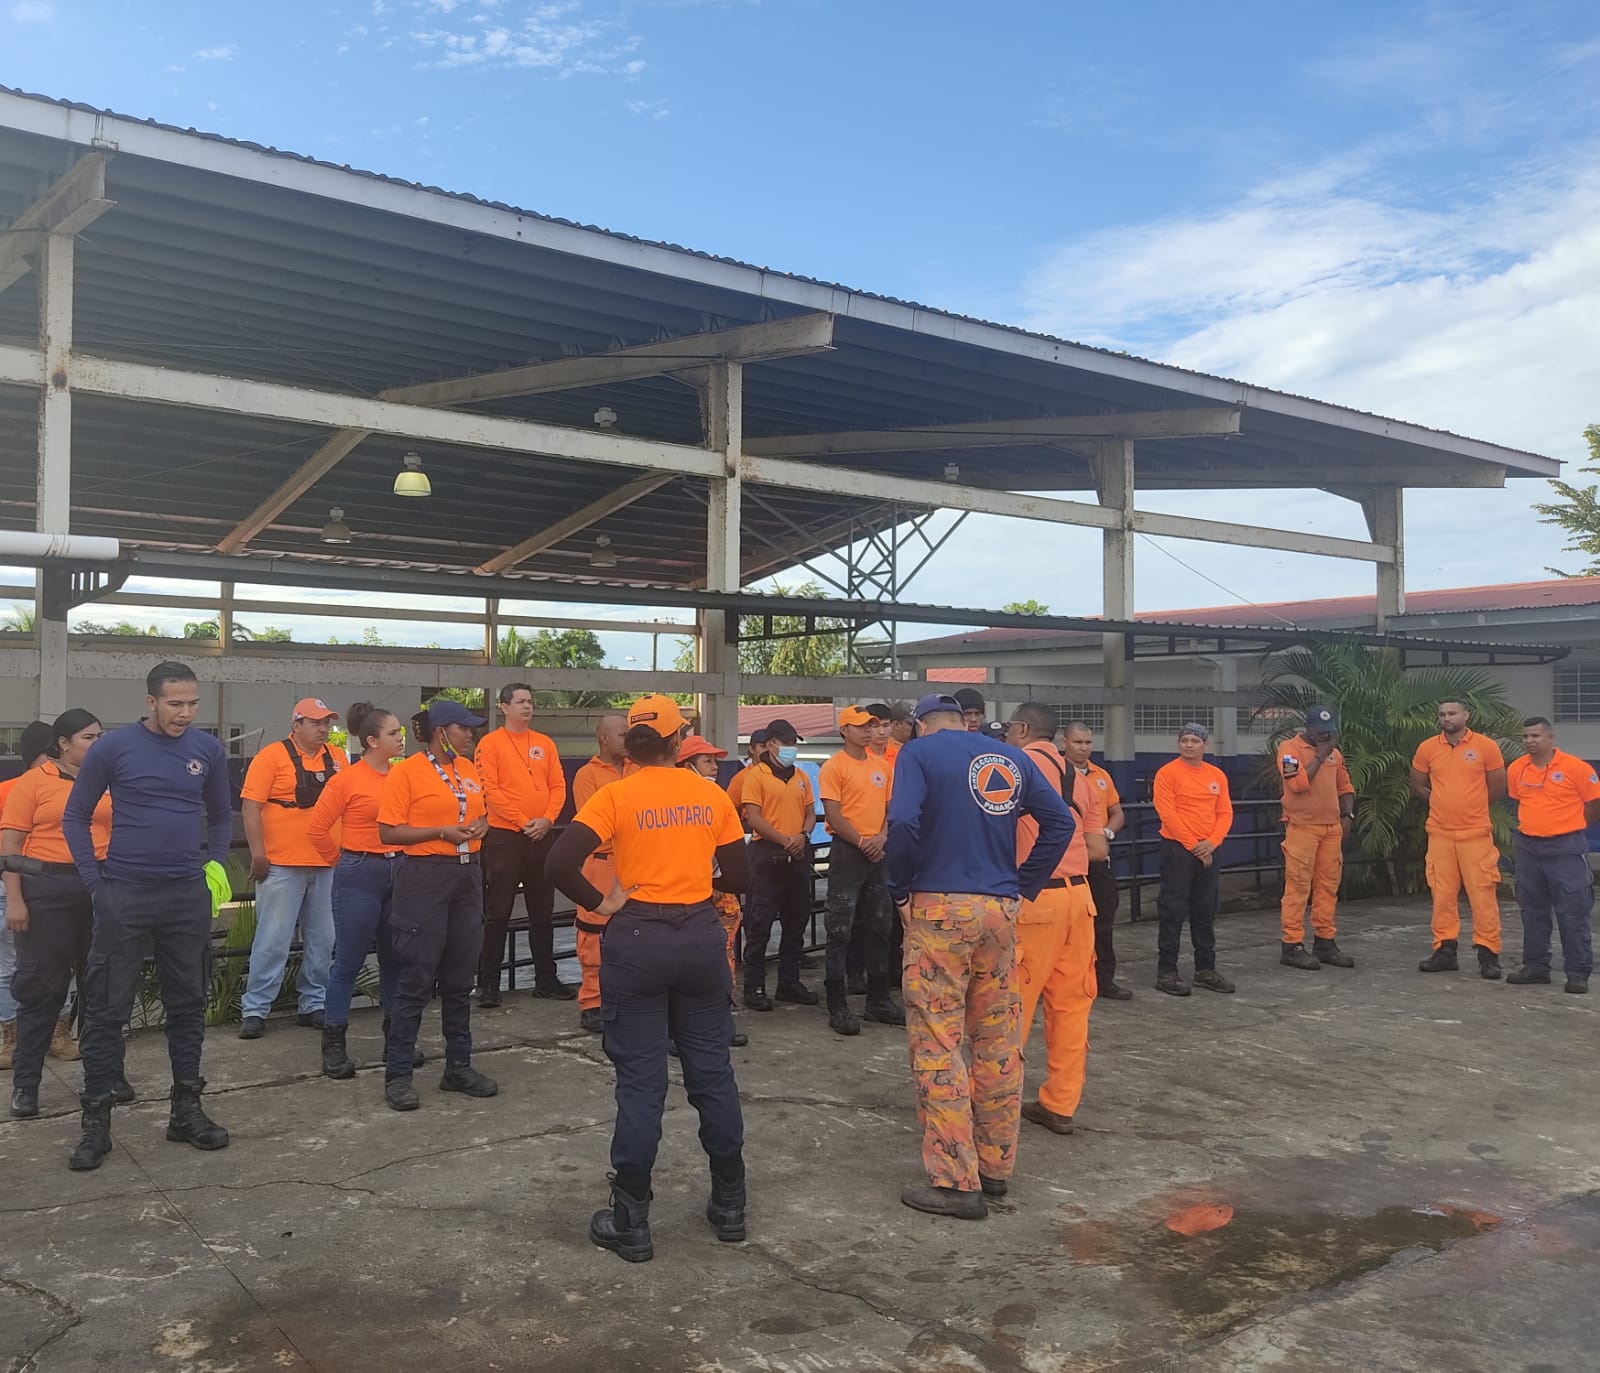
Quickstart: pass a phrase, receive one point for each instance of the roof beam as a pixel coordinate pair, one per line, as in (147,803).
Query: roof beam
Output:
(569,525)
(839,481)
(1207,422)
(781,338)
(750,342)
(74,201)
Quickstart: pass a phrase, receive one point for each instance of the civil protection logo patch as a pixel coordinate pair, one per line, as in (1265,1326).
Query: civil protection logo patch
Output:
(995,782)
(194,767)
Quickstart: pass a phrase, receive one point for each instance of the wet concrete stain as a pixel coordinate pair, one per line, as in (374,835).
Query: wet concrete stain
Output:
(1212,1264)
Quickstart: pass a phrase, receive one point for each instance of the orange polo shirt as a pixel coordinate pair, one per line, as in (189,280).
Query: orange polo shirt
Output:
(522,777)
(33,806)
(1459,778)
(1311,800)
(594,775)
(270,779)
(891,751)
(861,786)
(1550,799)
(1047,758)
(786,806)
(663,827)
(346,814)
(415,794)
(1193,803)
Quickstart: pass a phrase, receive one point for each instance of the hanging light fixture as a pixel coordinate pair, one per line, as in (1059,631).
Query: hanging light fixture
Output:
(336,530)
(411,480)
(602,555)
(605,417)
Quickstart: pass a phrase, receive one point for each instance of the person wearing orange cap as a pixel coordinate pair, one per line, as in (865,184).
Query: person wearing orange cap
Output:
(663,974)
(701,756)
(609,764)
(1055,930)
(1191,799)
(855,787)
(781,812)
(1318,813)
(1460,774)
(294,882)
(1558,798)
(526,790)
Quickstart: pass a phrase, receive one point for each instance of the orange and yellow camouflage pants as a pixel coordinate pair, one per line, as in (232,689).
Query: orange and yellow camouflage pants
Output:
(1055,962)
(601,871)
(961,988)
(729,914)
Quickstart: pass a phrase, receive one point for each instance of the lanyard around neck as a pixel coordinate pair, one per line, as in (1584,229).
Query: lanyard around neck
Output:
(457,790)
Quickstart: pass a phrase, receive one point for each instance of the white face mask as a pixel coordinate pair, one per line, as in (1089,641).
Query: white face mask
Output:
(787,753)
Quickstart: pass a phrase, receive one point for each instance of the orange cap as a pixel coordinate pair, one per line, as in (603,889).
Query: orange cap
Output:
(313,709)
(661,713)
(855,715)
(693,746)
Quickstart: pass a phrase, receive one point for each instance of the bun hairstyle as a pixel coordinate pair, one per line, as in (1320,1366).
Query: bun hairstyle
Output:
(646,747)
(422,728)
(68,723)
(365,720)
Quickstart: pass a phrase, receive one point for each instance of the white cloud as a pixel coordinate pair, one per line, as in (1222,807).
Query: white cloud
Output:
(649,109)
(554,35)
(33,11)
(223,52)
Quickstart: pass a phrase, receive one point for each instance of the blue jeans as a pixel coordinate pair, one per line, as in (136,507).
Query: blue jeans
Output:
(363,886)
(8,964)
(286,897)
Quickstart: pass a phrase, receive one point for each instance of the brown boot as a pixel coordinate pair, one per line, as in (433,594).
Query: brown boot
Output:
(62,1044)
(8,1043)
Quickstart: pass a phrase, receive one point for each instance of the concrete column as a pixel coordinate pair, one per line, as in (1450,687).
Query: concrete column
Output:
(723,408)
(1226,676)
(224,647)
(1384,508)
(1114,482)
(491,650)
(54,473)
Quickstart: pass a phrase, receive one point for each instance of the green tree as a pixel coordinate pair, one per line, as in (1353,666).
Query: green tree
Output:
(212,629)
(552,648)
(1578,512)
(275,634)
(1028,607)
(19,621)
(792,651)
(1384,711)
(122,628)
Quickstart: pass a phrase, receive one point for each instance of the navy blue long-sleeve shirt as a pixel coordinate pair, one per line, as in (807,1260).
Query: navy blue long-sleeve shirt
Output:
(171,806)
(953,818)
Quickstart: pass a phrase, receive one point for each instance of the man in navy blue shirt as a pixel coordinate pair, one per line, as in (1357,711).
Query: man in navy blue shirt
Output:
(171,811)
(952,871)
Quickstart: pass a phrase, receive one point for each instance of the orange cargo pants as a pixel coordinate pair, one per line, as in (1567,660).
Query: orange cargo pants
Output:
(601,871)
(1465,858)
(1055,962)
(1313,863)
(961,990)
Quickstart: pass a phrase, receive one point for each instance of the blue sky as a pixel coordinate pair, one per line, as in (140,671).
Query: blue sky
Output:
(1391,206)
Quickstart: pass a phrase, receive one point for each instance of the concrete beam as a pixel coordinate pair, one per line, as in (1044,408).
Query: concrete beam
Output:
(332,452)
(1208,421)
(579,520)
(780,338)
(722,411)
(73,202)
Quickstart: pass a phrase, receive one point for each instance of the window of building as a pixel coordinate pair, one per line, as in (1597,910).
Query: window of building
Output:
(1093,716)
(1578,694)
(1168,719)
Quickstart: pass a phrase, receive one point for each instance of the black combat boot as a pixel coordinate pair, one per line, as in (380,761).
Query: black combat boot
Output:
(400,1093)
(463,1077)
(187,1123)
(841,1019)
(756,999)
(1328,951)
(96,1141)
(1488,964)
(882,1008)
(797,993)
(1441,960)
(335,1057)
(417,1056)
(624,1226)
(725,1209)
(24,1102)
(1295,956)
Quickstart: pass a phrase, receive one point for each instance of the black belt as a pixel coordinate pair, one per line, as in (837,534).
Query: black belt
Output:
(59,869)
(457,859)
(587,926)
(370,853)
(1076,880)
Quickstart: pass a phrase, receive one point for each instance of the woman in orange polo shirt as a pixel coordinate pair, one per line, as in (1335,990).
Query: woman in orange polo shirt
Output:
(363,875)
(433,808)
(48,909)
(663,967)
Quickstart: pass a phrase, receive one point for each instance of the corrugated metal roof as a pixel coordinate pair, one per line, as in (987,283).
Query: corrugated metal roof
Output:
(220,256)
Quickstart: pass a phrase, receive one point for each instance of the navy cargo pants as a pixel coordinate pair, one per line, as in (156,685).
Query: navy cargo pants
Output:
(858,899)
(1553,880)
(780,890)
(436,936)
(174,916)
(664,973)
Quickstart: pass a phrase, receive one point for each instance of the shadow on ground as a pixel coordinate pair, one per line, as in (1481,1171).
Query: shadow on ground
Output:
(1367,1170)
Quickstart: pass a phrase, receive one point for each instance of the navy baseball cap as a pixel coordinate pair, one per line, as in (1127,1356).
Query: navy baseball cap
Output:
(453,713)
(758,736)
(1320,718)
(784,732)
(930,705)
(993,729)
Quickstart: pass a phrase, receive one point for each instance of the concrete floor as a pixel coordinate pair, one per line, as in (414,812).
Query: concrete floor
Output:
(1409,1167)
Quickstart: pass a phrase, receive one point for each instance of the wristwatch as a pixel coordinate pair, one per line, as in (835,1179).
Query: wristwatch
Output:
(1109,833)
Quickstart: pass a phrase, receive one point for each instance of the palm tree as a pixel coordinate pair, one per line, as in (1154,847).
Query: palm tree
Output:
(1384,711)
(20,621)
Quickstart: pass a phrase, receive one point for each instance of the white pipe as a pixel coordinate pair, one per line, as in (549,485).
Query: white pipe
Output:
(79,547)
